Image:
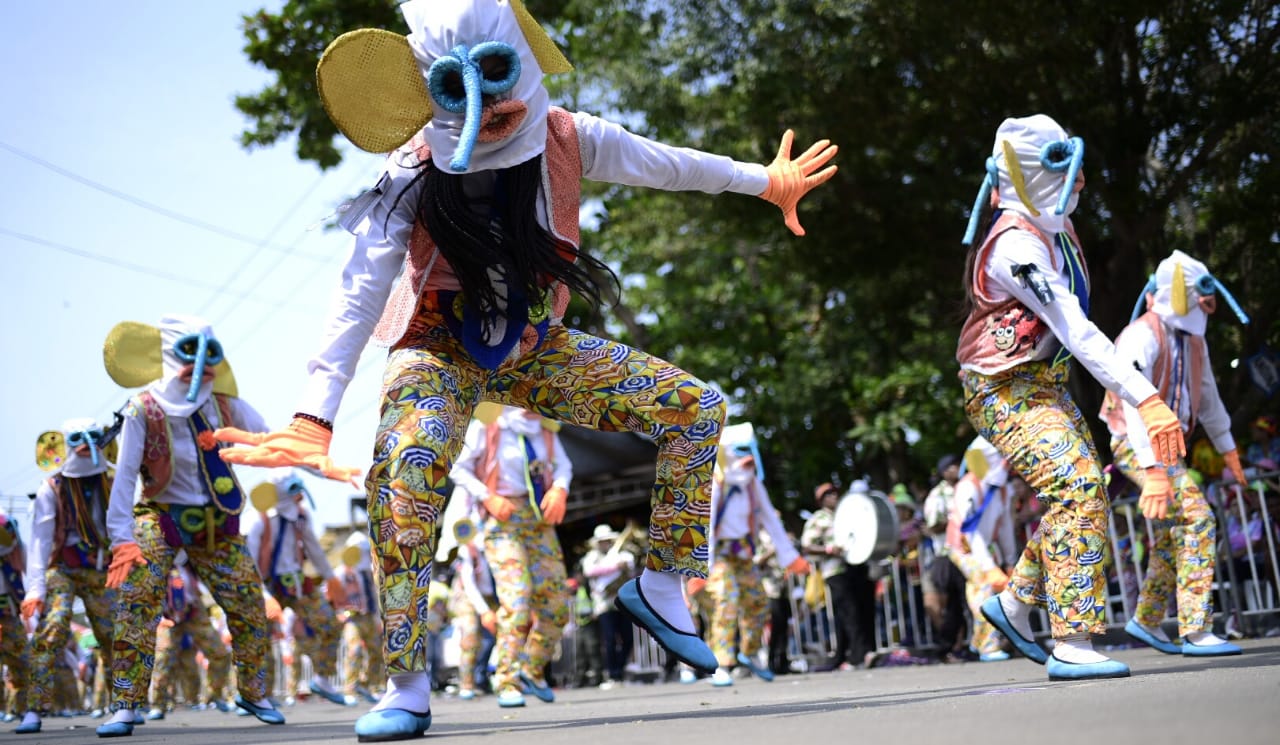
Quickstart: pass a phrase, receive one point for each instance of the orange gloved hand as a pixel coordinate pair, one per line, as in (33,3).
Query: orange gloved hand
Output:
(274,611)
(334,591)
(303,443)
(1232,458)
(1164,430)
(32,607)
(799,566)
(1156,491)
(500,508)
(489,620)
(553,505)
(124,558)
(166,623)
(695,586)
(790,180)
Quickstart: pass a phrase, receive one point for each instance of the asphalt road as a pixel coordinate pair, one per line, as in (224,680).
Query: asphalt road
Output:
(1168,700)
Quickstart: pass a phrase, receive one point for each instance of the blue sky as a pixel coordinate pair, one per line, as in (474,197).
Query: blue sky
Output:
(136,98)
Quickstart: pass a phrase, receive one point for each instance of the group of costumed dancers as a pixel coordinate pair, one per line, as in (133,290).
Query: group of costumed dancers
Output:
(477,214)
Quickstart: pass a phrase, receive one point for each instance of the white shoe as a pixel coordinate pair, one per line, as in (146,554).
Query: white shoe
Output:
(721,678)
(608,685)
(688,676)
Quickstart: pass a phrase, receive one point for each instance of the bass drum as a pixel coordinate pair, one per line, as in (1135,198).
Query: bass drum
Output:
(866,527)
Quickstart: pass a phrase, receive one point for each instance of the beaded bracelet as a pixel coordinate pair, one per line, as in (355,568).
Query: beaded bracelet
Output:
(313,418)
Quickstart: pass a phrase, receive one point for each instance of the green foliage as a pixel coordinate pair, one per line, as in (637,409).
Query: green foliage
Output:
(840,345)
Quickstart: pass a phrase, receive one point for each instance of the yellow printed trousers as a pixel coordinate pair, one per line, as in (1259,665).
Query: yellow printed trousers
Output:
(977,588)
(14,655)
(363,661)
(739,608)
(466,623)
(62,585)
(432,386)
(1182,555)
(320,632)
(176,647)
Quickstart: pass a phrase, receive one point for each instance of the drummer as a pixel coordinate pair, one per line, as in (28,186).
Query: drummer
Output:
(853,598)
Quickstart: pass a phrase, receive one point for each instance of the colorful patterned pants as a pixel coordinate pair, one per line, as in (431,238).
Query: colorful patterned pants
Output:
(363,661)
(171,656)
(533,596)
(739,608)
(319,639)
(1183,554)
(977,588)
(63,584)
(1029,416)
(232,578)
(430,391)
(15,656)
(102,669)
(466,623)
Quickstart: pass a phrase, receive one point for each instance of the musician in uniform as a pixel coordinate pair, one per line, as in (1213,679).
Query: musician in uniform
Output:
(607,566)
(850,585)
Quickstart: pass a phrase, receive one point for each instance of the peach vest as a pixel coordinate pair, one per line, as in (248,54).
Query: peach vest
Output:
(1162,374)
(157,451)
(562,187)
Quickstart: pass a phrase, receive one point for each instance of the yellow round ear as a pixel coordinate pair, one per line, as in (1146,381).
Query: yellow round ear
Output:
(351,556)
(487,412)
(549,56)
(132,354)
(1015,174)
(1178,292)
(372,89)
(976,463)
(264,496)
(464,531)
(51,450)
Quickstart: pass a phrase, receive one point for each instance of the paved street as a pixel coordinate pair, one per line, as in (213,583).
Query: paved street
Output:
(1168,700)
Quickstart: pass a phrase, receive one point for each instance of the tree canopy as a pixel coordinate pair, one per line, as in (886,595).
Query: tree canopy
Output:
(839,346)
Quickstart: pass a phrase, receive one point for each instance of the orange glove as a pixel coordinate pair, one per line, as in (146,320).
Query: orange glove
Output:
(166,623)
(334,591)
(489,620)
(124,558)
(32,607)
(274,611)
(790,180)
(1156,491)
(499,507)
(799,566)
(303,443)
(1232,457)
(1164,429)
(695,586)
(553,505)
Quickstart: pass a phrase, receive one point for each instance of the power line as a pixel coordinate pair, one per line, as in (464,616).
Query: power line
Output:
(144,204)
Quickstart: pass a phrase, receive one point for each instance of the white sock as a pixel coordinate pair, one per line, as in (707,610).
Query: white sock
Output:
(121,715)
(1155,631)
(662,591)
(408,691)
(30,718)
(1204,639)
(1077,649)
(1019,615)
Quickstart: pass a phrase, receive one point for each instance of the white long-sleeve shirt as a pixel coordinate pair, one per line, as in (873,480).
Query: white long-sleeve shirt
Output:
(995,527)
(510,463)
(44,519)
(1065,318)
(1138,344)
(287,534)
(731,515)
(477,580)
(185,486)
(609,153)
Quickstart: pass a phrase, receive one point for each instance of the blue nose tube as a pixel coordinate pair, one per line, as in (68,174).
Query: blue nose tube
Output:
(197,375)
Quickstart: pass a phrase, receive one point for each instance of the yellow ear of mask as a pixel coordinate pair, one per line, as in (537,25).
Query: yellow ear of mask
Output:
(51,450)
(1178,292)
(976,463)
(133,357)
(264,496)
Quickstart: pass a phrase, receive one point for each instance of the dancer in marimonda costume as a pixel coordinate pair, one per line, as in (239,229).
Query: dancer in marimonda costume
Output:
(281,541)
(13,633)
(740,507)
(1166,343)
(479,205)
(185,630)
(1028,291)
(190,502)
(473,597)
(70,553)
(361,622)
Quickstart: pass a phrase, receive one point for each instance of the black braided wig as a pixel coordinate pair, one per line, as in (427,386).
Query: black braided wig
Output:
(474,236)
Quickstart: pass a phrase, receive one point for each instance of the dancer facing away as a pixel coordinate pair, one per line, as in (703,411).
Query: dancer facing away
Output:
(1028,291)
(190,501)
(69,555)
(13,633)
(1167,345)
(479,204)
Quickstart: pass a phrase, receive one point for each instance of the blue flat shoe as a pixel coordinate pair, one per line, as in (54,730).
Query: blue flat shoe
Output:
(115,729)
(1059,670)
(1137,631)
(683,645)
(332,697)
(28,729)
(366,694)
(391,724)
(1000,656)
(994,613)
(1206,650)
(511,699)
(543,692)
(763,673)
(269,716)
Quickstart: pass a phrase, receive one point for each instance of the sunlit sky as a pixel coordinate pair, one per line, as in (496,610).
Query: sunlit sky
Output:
(125,195)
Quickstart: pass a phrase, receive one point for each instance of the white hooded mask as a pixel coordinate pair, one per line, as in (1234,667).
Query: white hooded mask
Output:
(1028,136)
(437,28)
(170,392)
(516,420)
(1195,319)
(361,541)
(991,467)
(79,466)
(290,490)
